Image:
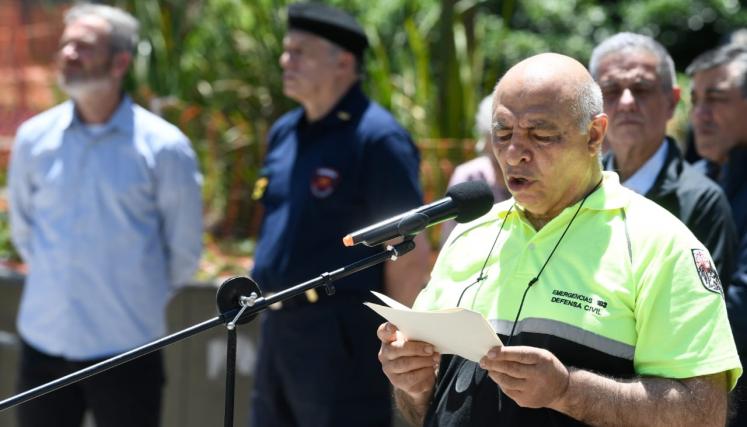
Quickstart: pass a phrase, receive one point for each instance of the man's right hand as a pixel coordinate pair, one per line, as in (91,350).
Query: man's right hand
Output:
(410,365)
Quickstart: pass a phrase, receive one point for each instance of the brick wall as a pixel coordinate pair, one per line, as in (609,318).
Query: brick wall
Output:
(29,31)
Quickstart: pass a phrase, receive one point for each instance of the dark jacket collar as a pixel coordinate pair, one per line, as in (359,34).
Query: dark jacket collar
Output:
(667,180)
(733,175)
(350,107)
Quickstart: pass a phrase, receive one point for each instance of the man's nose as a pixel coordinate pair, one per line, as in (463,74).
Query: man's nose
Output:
(284,59)
(288,60)
(627,100)
(517,151)
(701,112)
(68,52)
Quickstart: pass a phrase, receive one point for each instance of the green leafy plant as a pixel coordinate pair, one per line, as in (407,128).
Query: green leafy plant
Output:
(211,66)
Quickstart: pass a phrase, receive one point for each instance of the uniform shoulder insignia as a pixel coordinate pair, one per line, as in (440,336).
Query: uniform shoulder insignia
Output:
(706,271)
(259,188)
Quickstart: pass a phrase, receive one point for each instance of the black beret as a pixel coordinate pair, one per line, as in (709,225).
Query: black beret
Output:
(329,23)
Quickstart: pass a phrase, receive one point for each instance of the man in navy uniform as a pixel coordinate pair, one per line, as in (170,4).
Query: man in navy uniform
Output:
(335,164)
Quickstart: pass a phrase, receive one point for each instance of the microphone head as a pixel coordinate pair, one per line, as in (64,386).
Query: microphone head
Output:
(473,199)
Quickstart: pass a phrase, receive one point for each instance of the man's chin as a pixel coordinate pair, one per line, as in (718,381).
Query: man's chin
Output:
(710,151)
(291,92)
(625,137)
(84,89)
(525,200)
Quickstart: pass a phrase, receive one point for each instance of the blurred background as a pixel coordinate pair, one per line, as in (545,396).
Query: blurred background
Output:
(211,67)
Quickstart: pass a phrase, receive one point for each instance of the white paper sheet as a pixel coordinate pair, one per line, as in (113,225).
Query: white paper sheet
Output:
(451,331)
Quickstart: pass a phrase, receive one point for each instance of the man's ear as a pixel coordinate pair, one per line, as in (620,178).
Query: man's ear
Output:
(597,131)
(120,64)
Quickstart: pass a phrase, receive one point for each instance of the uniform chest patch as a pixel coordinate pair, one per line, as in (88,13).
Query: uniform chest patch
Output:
(706,271)
(324,182)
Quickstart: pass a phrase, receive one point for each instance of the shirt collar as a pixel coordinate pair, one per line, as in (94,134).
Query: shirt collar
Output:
(609,196)
(121,120)
(644,178)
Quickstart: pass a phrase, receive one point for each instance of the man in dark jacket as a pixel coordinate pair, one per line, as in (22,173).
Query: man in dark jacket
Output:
(719,97)
(638,84)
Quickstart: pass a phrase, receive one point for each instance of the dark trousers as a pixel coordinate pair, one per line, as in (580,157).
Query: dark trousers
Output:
(127,395)
(318,367)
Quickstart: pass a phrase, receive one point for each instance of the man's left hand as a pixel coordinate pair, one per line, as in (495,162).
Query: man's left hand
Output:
(532,377)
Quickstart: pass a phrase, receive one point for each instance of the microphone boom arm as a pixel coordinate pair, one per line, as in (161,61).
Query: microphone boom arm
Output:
(234,309)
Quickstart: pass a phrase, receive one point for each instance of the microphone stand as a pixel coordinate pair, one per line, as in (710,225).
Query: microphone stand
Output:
(239,301)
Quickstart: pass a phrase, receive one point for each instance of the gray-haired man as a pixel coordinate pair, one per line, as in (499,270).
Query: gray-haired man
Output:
(719,97)
(105,209)
(640,92)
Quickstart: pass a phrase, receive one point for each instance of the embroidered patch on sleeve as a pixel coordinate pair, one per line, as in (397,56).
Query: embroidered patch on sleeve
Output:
(706,271)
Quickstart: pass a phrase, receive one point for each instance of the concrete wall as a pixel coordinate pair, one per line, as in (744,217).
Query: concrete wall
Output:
(195,366)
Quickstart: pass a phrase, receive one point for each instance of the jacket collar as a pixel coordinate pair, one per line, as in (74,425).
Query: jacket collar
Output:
(667,180)
(348,108)
(733,174)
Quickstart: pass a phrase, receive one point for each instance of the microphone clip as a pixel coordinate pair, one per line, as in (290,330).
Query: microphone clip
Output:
(329,288)
(406,245)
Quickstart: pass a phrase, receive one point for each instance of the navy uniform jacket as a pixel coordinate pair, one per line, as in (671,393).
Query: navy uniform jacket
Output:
(325,179)
(700,204)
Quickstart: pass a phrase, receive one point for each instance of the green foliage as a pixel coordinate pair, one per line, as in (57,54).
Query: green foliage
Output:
(7,251)
(213,67)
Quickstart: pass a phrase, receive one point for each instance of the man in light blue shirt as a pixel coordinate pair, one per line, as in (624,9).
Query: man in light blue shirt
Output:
(640,93)
(105,208)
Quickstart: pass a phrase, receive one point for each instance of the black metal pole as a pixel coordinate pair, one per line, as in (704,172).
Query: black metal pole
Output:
(324,279)
(230,377)
(229,315)
(108,364)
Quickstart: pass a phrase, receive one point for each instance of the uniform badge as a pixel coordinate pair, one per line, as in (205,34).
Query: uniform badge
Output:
(259,188)
(706,271)
(324,182)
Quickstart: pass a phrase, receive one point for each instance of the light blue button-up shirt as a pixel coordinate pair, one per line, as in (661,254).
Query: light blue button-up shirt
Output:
(109,223)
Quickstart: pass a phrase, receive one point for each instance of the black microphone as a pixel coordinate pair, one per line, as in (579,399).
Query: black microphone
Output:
(463,203)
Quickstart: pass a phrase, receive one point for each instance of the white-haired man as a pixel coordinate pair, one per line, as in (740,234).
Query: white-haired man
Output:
(640,92)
